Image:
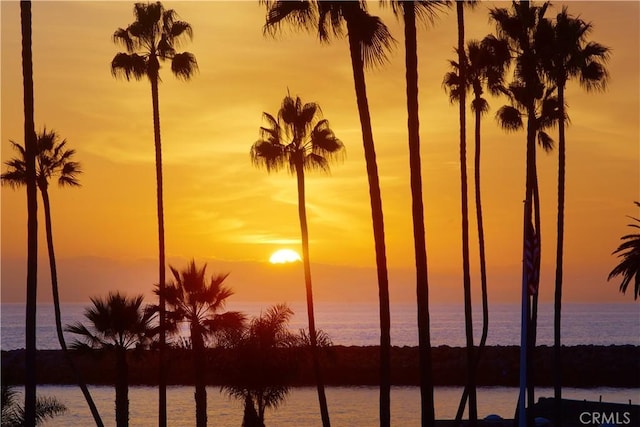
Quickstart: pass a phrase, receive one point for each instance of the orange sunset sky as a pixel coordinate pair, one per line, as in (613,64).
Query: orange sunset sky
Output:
(221,210)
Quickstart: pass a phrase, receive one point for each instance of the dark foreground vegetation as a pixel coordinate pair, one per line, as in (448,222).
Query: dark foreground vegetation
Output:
(584,366)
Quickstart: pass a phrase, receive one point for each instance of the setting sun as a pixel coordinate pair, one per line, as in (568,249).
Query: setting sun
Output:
(283,256)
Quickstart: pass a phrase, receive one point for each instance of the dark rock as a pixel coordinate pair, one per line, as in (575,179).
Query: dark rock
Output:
(583,366)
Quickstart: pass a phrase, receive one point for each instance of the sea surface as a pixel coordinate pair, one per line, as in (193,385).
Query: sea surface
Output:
(348,406)
(347,324)
(358,324)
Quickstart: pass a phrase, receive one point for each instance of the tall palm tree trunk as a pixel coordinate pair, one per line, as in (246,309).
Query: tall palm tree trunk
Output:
(304,232)
(32,216)
(526,389)
(557,307)
(473,411)
(483,264)
(199,369)
(162,377)
(521,413)
(419,238)
(378,226)
(56,307)
(533,328)
(481,247)
(122,388)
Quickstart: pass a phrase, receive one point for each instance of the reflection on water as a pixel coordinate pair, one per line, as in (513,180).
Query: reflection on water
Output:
(348,406)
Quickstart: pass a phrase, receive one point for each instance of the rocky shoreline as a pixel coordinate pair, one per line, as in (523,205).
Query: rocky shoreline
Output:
(584,366)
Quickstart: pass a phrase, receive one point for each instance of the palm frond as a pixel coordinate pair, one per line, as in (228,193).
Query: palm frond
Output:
(425,10)
(122,37)
(48,407)
(180,28)
(374,38)
(324,142)
(184,65)
(299,14)
(509,118)
(545,141)
(331,17)
(480,104)
(452,84)
(316,162)
(594,76)
(629,253)
(164,48)
(271,156)
(129,66)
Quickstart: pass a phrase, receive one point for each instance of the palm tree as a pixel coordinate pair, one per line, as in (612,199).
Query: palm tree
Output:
(152,38)
(486,65)
(263,368)
(32,216)
(566,54)
(629,266)
(190,299)
(117,323)
(530,97)
(52,159)
(411,11)
(299,139)
(369,40)
(13,414)
(466,276)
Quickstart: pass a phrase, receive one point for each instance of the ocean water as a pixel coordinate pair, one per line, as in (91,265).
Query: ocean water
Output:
(348,406)
(347,324)
(358,324)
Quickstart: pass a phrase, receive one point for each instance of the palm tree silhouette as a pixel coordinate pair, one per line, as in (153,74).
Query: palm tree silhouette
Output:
(300,140)
(486,65)
(263,368)
(566,55)
(152,38)
(191,300)
(629,266)
(529,96)
(52,159)
(32,216)
(117,323)
(411,11)
(13,414)
(466,276)
(369,40)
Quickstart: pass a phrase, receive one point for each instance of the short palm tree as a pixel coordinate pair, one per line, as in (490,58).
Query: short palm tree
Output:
(369,41)
(53,159)
(150,39)
(264,363)
(197,302)
(13,414)
(300,141)
(629,267)
(566,54)
(117,323)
